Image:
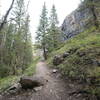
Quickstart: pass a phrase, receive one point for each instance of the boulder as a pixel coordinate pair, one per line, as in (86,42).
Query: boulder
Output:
(65,55)
(57,60)
(96,62)
(81,54)
(13,89)
(16,86)
(31,82)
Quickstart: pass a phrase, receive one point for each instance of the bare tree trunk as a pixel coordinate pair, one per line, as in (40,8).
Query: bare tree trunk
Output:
(3,36)
(44,53)
(6,15)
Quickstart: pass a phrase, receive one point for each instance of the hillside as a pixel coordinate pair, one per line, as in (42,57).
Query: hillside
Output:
(82,61)
(79,58)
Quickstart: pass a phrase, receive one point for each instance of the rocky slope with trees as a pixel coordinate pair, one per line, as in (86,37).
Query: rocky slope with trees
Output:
(85,16)
(79,58)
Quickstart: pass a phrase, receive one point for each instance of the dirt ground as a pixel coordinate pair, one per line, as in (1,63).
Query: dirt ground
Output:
(56,88)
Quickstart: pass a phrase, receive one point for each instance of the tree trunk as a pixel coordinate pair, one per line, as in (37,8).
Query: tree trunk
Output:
(44,53)
(6,15)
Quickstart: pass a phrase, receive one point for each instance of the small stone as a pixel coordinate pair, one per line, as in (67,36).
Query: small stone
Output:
(38,88)
(54,71)
(78,95)
(65,55)
(12,91)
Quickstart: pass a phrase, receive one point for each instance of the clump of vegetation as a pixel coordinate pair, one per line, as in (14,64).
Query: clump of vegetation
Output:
(32,68)
(6,82)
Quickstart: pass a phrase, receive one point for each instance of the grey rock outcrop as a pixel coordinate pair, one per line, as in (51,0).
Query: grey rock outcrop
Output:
(79,20)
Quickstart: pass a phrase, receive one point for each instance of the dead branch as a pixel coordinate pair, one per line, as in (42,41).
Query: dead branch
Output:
(6,15)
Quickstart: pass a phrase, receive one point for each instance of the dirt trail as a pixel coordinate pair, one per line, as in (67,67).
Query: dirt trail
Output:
(55,89)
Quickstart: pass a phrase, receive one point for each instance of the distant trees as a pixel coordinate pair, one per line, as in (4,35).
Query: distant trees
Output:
(55,33)
(48,34)
(16,52)
(42,31)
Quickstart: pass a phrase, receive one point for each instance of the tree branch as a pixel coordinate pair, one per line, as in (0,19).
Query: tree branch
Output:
(6,15)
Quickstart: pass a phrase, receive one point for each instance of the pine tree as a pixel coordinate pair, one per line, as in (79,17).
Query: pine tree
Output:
(55,34)
(22,41)
(27,44)
(18,44)
(42,31)
(54,18)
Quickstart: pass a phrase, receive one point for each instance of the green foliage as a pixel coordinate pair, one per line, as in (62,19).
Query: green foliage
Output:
(49,36)
(32,68)
(42,31)
(8,81)
(93,5)
(15,42)
(54,33)
(4,70)
(43,26)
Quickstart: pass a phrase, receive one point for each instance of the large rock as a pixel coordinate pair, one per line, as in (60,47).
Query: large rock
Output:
(80,20)
(31,82)
(16,86)
(81,53)
(65,55)
(57,60)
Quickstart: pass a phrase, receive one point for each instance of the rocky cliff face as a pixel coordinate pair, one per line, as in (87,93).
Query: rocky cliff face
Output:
(79,20)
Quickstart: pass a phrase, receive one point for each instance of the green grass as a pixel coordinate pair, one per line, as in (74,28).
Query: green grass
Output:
(82,41)
(31,70)
(10,80)
(7,82)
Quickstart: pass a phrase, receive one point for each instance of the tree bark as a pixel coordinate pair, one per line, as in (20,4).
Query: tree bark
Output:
(44,53)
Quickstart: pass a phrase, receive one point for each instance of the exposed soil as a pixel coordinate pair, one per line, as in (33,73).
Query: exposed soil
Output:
(56,88)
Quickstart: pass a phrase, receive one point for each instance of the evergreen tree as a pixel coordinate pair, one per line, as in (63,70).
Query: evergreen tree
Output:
(16,52)
(22,40)
(42,31)
(55,33)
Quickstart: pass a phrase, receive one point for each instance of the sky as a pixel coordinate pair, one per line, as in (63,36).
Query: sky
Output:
(63,7)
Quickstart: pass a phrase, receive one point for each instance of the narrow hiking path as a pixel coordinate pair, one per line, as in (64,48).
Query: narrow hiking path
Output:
(54,89)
